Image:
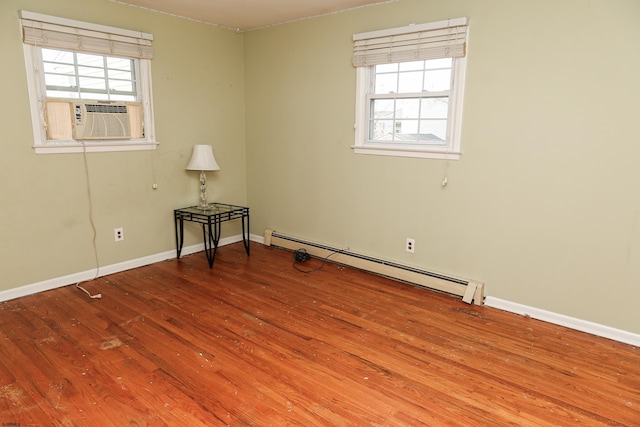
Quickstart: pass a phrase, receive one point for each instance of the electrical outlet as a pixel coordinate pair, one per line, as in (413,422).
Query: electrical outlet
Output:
(118,234)
(411,245)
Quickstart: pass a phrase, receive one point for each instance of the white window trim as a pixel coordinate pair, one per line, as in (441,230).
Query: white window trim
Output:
(37,96)
(453,150)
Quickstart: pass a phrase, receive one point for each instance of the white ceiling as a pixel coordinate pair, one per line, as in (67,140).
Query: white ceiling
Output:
(243,15)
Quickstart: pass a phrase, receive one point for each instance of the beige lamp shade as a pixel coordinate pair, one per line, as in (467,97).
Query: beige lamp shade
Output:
(202,159)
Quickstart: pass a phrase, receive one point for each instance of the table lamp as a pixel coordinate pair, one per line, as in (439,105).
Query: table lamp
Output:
(202,160)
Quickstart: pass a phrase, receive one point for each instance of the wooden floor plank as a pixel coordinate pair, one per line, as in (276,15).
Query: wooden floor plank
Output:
(254,341)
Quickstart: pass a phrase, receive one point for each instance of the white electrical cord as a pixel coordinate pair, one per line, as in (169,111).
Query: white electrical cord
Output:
(93,225)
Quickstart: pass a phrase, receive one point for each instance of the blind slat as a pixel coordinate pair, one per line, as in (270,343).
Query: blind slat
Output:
(52,35)
(440,42)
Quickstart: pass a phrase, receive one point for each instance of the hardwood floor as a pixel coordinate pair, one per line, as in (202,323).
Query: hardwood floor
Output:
(255,342)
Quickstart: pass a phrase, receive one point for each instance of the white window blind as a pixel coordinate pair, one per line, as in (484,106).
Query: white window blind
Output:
(60,33)
(435,40)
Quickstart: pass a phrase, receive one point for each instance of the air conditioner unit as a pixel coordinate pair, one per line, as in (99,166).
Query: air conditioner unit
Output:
(95,120)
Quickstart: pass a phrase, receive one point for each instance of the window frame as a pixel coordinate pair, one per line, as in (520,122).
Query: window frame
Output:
(38,95)
(452,150)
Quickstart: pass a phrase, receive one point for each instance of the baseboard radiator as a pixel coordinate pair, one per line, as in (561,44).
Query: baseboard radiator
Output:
(471,291)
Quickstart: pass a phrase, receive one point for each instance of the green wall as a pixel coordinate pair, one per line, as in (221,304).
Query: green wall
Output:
(198,89)
(543,206)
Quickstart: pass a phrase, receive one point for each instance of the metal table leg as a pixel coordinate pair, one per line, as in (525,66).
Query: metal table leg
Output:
(246,239)
(179,227)
(211,237)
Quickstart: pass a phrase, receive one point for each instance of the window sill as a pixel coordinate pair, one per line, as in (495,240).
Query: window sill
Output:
(406,151)
(61,147)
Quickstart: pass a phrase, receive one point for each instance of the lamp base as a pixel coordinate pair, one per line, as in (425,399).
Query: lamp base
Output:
(203,191)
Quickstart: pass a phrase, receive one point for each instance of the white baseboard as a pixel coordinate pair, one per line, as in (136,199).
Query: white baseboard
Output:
(82,276)
(566,321)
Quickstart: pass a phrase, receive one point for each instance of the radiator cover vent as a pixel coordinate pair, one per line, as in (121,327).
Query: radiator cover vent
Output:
(469,290)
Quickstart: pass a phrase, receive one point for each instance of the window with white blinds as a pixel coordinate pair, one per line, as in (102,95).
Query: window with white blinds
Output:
(410,87)
(444,39)
(70,63)
(46,31)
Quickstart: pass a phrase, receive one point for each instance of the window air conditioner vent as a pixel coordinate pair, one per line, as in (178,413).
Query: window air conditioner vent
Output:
(102,108)
(101,121)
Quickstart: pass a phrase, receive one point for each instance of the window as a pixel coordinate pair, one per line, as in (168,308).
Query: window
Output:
(410,84)
(76,75)
(89,85)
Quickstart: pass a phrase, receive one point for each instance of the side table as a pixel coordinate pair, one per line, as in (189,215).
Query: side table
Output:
(211,219)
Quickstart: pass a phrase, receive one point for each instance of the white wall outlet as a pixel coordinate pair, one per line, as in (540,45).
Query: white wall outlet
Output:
(411,245)
(118,234)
